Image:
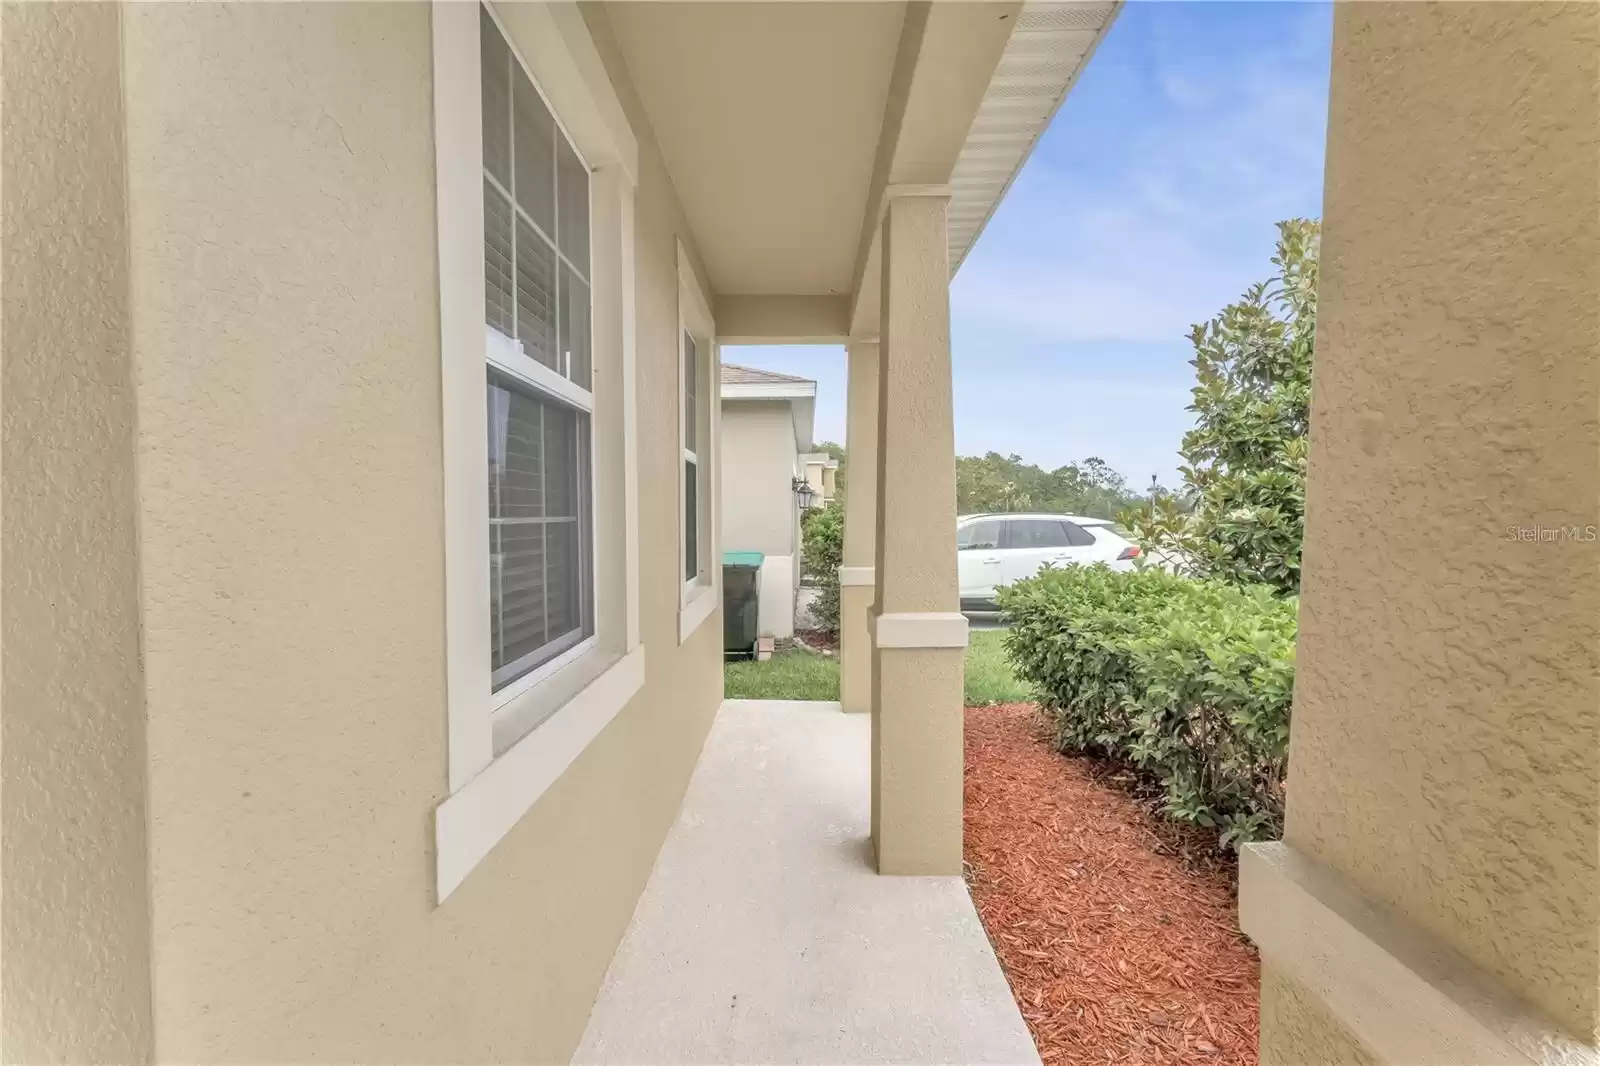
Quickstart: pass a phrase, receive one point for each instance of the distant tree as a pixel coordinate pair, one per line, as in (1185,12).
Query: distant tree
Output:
(1004,483)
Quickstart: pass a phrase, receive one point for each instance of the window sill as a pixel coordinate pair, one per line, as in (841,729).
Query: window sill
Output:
(696,609)
(529,702)
(469,824)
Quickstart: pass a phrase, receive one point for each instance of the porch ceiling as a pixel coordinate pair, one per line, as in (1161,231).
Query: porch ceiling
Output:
(783,123)
(768,116)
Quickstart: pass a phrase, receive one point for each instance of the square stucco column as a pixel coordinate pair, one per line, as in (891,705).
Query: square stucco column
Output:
(856,583)
(919,637)
(1436,898)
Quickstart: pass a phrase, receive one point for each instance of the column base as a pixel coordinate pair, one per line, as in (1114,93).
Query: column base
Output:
(1347,980)
(855,648)
(917,760)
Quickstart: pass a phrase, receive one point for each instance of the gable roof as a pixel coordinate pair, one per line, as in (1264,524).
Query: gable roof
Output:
(748,383)
(749,375)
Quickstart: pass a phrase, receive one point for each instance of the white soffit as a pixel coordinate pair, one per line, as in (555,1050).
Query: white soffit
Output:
(1051,44)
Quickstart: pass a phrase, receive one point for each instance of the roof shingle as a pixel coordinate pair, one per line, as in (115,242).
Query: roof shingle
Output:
(747,375)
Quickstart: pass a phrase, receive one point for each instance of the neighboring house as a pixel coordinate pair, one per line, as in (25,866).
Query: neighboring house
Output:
(822,472)
(361,628)
(766,430)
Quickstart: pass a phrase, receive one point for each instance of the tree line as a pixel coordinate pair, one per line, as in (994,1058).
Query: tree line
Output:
(996,483)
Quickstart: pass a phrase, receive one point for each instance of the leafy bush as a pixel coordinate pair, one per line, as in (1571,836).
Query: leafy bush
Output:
(1244,472)
(1188,680)
(822,536)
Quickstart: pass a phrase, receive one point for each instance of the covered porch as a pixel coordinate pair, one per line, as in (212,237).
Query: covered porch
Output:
(267,799)
(1441,828)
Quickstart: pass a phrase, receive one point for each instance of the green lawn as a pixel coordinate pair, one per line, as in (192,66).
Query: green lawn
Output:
(989,677)
(805,675)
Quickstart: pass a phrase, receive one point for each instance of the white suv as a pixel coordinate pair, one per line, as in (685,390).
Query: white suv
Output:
(997,549)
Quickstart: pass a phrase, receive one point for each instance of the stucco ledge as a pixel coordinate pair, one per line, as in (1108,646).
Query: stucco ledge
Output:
(856,575)
(919,629)
(1409,997)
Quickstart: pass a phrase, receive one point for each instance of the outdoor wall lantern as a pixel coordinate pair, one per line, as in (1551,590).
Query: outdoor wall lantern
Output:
(803,492)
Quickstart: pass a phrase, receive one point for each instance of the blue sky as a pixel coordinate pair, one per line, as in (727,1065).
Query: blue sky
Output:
(1148,205)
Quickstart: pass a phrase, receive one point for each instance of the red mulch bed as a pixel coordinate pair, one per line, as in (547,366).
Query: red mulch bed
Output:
(1117,929)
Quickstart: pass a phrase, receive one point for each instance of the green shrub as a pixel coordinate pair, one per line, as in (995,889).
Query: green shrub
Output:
(1188,680)
(822,545)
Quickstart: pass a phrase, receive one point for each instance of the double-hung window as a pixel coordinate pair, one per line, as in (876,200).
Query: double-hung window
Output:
(691,463)
(536,174)
(698,399)
(538,374)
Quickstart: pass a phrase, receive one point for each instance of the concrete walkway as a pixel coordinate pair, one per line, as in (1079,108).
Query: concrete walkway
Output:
(764,936)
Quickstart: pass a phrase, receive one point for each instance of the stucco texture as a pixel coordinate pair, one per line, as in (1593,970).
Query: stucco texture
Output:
(286,344)
(860,529)
(916,525)
(917,692)
(759,512)
(1296,1030)
(74,928)
(1447,704)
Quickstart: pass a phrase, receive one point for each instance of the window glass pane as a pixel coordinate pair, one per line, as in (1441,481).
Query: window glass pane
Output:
(690,437)
(539,528)
(536,296)
(535,148)
(574,345)
(516,456)
(1077,536)
(497,255)
(517,605)
(573,186)
(565,611)
(978,536)
(1034,533)
(496,58)
(691,520)
(561,459)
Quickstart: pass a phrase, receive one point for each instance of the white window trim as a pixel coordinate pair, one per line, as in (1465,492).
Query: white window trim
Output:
(491,790)
(698,598)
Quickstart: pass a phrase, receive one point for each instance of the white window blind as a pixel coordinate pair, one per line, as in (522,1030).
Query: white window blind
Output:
(538,528)
(536,275)
(691,461)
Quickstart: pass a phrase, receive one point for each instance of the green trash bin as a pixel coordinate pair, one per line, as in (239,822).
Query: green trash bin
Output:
(741,603)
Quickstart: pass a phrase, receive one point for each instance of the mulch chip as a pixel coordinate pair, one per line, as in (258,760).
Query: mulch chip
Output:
(1117,929)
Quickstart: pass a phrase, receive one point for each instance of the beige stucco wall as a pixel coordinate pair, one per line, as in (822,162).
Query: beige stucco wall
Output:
(287,417)
(759,512)
(1447,708)
(74,925)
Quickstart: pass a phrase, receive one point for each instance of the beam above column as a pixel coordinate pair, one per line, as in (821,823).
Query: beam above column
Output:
(797,319)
